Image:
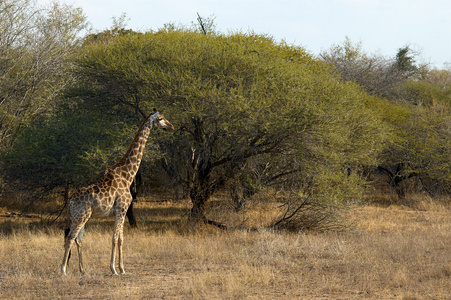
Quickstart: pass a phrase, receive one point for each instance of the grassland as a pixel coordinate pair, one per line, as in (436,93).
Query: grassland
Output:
(390,253)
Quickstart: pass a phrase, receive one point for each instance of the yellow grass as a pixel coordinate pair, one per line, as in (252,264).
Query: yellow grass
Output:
(392,253)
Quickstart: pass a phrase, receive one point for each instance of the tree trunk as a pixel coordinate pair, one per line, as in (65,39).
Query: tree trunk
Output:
(201,185)
(396,184)
(199,194)
(198,198)
(131,216)
(394,178)
(136,184)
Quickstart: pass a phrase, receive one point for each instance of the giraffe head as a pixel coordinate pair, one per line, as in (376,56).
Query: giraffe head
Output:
(159,121)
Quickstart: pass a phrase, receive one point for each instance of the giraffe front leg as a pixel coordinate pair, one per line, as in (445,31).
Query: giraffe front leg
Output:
(113,257)
(121,257)
(117,245)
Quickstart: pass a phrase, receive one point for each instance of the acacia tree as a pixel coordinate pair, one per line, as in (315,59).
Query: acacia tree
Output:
(233,98)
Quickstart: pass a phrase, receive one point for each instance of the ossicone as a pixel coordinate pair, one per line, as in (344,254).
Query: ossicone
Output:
(155,113)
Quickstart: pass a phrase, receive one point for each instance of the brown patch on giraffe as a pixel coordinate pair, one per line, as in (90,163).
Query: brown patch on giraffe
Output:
(95,189)
(109,175)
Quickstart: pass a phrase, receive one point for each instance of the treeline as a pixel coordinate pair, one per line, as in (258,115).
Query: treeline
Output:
(251,114)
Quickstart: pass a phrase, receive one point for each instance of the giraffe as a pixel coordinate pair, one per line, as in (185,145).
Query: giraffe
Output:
(110,195)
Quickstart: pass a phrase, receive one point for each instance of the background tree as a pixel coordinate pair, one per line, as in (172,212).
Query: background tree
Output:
(378,75)
(418,99)
(405,61)
(35,47)
(421,146)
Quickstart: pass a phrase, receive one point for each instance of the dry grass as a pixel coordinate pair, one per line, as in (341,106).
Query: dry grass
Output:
(392,253)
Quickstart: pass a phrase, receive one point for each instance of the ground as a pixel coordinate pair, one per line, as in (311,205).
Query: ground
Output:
(389,253)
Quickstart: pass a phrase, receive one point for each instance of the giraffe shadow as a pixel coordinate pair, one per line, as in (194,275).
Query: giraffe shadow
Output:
(148,219)
(160,218)
(18,225)
(151,216)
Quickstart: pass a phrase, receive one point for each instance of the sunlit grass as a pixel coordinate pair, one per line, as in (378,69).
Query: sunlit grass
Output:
(392,252)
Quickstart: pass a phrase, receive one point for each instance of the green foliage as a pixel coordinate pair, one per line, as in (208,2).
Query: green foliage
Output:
(43,156)
(426,146)
(420,144)
(418,116)
(432,91)
(426,134)
(405,61)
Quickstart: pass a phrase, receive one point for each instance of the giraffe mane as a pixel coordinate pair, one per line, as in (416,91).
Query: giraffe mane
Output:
(131,145)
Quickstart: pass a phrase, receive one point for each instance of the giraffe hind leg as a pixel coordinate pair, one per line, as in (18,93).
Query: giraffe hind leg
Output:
(67,245)
(69,241)
(79,241)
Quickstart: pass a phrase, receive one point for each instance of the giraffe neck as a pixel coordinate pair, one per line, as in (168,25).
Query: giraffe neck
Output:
(127,167)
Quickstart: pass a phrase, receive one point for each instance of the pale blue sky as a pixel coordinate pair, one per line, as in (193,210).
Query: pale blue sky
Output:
(383,26)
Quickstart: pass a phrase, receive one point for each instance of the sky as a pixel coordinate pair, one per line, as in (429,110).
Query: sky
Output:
(381,26)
